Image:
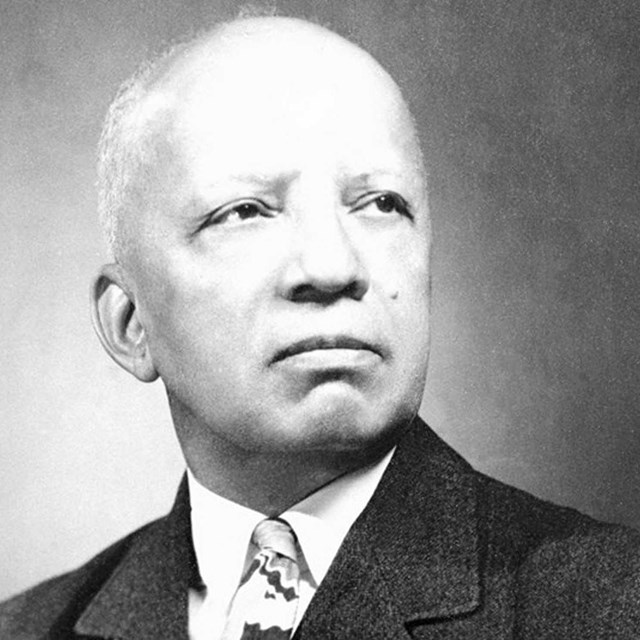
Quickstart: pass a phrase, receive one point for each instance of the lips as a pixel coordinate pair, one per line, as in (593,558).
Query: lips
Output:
(317,343)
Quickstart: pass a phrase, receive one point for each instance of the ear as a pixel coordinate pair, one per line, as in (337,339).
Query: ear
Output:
(117,323)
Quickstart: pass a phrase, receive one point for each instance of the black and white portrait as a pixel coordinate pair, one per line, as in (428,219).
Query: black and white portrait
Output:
(365,272)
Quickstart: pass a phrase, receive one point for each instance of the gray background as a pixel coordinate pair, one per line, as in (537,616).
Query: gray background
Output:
(529,114)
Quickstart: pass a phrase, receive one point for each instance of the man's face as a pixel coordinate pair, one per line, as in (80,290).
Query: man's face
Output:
(280,267)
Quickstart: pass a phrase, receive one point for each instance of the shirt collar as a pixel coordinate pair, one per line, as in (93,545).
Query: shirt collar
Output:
(222,529)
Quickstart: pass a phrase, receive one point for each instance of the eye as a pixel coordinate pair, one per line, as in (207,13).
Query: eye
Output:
(237,212)
(389,202)
(386,202)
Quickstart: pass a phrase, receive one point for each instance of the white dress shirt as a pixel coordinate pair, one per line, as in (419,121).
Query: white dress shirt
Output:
(222,530)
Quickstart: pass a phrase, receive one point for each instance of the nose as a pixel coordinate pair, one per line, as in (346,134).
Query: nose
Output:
(324,263)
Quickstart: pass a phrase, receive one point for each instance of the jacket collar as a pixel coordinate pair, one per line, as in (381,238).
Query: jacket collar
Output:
(411,555)
(147,595)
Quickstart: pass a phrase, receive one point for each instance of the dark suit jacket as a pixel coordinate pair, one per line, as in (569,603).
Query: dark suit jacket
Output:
(441,551)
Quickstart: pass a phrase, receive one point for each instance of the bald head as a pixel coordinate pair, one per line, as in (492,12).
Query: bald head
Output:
(280,73)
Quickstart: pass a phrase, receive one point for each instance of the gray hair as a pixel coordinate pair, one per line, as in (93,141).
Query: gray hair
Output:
(124,143)
(118,153)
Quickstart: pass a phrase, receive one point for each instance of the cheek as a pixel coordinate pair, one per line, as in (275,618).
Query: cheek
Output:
(200,308)
(401,266)
(406,287)
(184,313)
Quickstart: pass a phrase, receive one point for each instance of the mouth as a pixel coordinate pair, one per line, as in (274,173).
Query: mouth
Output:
(327,343)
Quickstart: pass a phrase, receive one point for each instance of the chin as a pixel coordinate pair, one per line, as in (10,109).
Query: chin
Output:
(350,425)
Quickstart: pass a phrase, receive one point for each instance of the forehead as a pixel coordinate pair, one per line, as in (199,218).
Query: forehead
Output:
(243,103)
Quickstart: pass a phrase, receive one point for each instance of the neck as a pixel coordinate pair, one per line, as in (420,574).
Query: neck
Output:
(257,487)
(269,484)
(266,481)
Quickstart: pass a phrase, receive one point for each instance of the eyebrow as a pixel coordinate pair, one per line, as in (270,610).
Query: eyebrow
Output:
(366,178)
(279,183)
(263,180)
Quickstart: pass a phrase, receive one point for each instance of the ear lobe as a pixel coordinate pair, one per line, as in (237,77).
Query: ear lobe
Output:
(115,320)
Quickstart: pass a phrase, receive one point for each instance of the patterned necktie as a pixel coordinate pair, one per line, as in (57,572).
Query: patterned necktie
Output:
(264,606)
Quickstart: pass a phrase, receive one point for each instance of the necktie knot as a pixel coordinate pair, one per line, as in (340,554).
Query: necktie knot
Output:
(265,603)
(275,535)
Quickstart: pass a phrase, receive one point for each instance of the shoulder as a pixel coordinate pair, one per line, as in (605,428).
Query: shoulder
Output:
(514,523)
(514,529)
(562,565)
(52,606)
(551,570)
(514,518)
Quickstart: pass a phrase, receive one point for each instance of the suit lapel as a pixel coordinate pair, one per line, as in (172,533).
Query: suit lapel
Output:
(411,556)
(147,595)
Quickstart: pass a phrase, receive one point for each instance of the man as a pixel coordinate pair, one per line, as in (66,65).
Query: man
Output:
(265,199)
